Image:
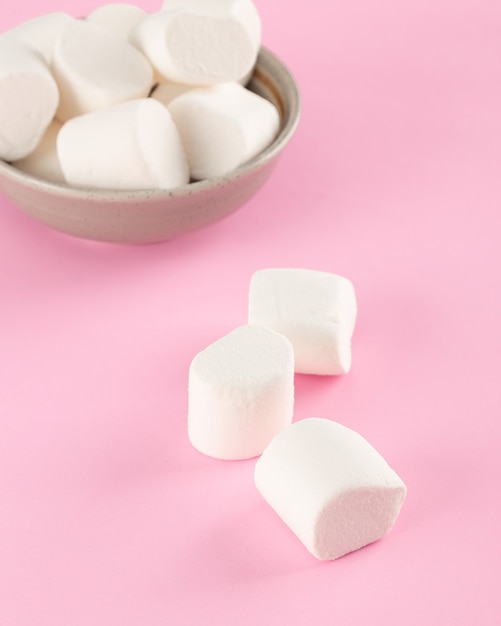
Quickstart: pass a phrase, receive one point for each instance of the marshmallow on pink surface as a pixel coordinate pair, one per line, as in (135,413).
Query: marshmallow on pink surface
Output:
(329,486)
(222,127)
(315,310)
(240,393)
(201,42)
(132,145)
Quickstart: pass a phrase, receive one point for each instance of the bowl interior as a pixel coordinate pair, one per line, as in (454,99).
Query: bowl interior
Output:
(147,216)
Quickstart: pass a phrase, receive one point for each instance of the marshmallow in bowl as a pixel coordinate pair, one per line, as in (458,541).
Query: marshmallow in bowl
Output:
(28,99)
(43,162)
(95,68)
(244,11)
(222,127)
(40,33)
(93,65)
(330,486)
(131,145)
(240,393)
(165,92)
(201,42)
(117,17)
(315,310)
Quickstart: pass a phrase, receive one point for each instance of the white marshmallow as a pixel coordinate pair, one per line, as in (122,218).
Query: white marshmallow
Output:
(28,99)
(132,145)
(43,162)
(330,486)
(201,42)
(117,17)
(222,127)
(40,33)
(241,393)
(165,92)
(315,310)
(95,68)
(243,10)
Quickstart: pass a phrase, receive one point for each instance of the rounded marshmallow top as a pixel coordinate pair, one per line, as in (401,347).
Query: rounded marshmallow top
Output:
(241,393)
(95,68)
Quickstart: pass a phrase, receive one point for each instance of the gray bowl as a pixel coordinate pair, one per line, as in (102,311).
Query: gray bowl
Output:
(149,216)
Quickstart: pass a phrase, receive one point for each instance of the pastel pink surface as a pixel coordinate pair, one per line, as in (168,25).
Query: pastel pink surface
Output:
(108,516)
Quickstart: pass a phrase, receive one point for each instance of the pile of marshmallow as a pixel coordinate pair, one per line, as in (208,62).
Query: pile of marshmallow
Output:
(125,99)
(325,481)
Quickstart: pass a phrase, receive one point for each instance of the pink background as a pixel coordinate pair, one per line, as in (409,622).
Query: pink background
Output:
(108,516)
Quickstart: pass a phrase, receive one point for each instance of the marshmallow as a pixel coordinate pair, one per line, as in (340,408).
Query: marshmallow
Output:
(40,33)
(201,42)
(95,68)
(243,10)
(330,486)
(132,145)
(241,393)
(43,162)
(222,127)
(28,99)
(165,92)
(315,310)
(119,18)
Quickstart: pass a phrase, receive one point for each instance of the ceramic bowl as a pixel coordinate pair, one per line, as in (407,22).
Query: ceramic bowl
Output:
(149,216)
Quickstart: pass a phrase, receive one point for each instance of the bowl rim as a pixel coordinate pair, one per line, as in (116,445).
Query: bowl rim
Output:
(290,119)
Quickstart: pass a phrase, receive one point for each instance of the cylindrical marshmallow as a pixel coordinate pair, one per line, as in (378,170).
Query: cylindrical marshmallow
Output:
(315,310)
(117,17)
(244,11)
(241,393)
(43,162)
(40,33)
(95,68)
(329,486)
(28,99)
(201,42)
(222,127)
(132,145)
